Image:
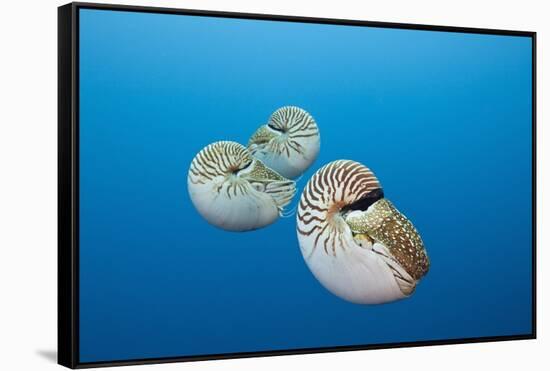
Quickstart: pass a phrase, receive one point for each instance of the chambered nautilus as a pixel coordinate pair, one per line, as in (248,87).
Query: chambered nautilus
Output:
(354,241)
(235,191)
(288,143)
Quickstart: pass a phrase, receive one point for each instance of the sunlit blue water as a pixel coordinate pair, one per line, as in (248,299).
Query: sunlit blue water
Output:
(442,118)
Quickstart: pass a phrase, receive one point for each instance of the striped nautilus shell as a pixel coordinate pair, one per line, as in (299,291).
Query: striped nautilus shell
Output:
(235,191)
(288,143)
(354,241)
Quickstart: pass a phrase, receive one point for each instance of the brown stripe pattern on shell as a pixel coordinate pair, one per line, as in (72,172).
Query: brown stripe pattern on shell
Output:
(220,159)
(332,188)
(297,124)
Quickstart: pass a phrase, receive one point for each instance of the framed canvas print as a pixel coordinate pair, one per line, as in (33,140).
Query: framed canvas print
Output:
(235,185)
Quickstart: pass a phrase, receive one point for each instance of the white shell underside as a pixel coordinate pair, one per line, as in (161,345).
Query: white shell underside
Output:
(294,164)
(235,212)
(354,273)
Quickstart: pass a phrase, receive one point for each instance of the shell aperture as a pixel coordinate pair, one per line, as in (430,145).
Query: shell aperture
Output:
(235,191)
(288,143)
(354,241)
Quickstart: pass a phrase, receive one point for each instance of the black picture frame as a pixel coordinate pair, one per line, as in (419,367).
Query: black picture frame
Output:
(68,181)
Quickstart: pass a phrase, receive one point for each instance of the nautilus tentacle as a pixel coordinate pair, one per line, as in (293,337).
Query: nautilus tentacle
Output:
(288,143)
(235,191)
(355,242)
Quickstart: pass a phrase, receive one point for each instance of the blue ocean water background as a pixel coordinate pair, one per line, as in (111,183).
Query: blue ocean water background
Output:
(443,119)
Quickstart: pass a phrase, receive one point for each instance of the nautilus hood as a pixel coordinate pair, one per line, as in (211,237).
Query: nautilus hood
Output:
(385,224)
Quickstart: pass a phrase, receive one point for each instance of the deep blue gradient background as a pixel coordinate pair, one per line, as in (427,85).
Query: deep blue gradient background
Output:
(444,120)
